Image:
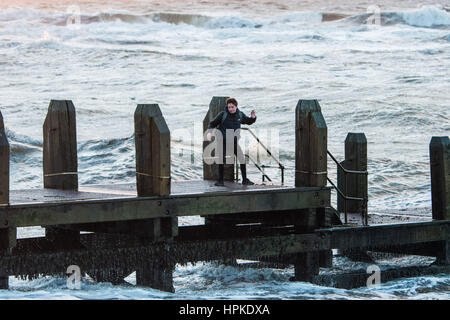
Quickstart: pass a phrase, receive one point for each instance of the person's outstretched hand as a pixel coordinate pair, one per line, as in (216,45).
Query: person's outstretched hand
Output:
(253,115)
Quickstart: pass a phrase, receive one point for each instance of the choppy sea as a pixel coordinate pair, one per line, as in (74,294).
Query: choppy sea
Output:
(381,69)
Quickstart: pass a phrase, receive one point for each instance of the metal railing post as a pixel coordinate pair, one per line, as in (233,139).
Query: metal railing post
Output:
(261,168)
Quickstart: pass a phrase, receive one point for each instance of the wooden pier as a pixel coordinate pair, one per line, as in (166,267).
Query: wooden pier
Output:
(110,231)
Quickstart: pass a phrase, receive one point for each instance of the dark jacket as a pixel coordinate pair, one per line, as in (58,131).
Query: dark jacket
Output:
(232,121)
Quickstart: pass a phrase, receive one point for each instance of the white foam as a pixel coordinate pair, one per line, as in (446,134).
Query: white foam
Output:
(427,16)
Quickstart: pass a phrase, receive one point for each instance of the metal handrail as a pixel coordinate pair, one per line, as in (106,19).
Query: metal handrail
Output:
(280,166)
(259,168)
(346,170)
(344,196)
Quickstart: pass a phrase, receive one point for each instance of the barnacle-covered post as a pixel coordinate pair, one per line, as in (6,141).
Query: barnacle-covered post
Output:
(60,162)
(152,142)
(440,188)
(7,234)
(310,171)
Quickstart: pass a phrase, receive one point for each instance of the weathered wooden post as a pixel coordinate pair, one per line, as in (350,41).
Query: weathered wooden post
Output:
(211,171)
(152,141)
(310,171)
(4,164)
(60,146)
(8,235)
(354,185)
(60,160)
(440,188)
(310,145)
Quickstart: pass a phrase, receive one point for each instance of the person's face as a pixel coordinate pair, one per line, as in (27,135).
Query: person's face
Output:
(231,108)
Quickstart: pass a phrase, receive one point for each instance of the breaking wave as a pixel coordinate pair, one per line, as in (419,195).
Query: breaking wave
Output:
(21,145)
(424,17)
(429,16)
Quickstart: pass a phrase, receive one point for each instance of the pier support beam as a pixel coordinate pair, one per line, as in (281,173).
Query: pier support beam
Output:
(210,171)
(444,253)
(310,171)
(325,256)
(156,277)
(353,185)
(8,240)
(4,282)
(60,160)
(306,266)
(440,188)
(152,140)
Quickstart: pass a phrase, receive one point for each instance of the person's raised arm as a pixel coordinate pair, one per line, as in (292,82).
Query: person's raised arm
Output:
(248,120)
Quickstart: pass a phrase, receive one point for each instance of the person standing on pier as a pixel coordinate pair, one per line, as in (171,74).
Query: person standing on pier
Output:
(231,119)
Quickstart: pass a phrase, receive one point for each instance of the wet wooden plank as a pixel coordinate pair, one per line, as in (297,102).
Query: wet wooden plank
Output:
(387,235)
(54,195)
(133,208)
(189,187)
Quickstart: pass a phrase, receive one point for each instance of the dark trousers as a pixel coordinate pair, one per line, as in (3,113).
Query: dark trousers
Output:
(241,160)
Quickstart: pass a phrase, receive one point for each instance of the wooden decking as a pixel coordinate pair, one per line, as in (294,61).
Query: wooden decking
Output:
(104,203)
(128,190)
